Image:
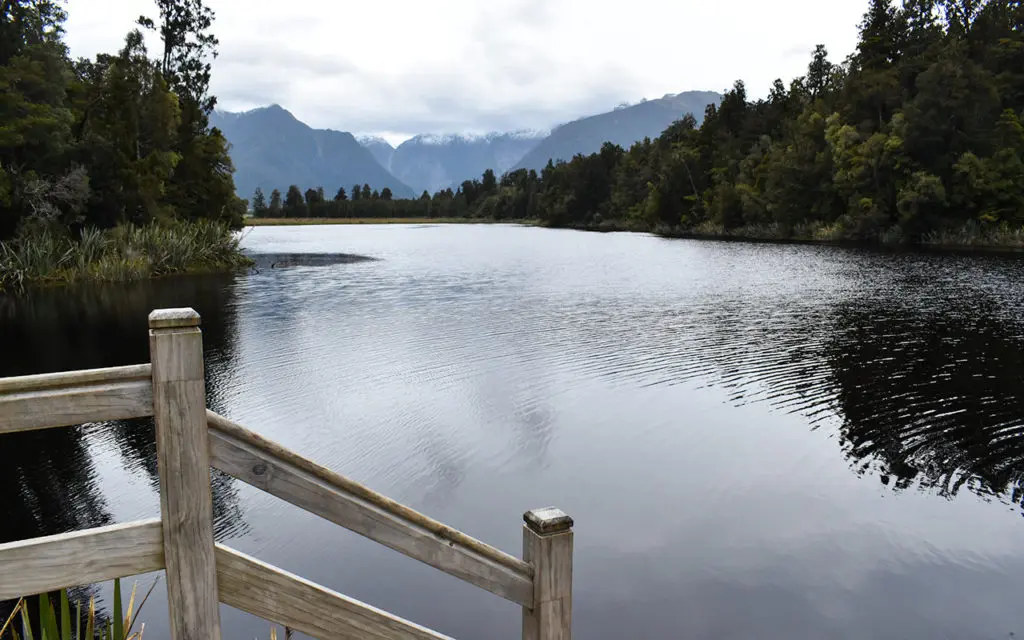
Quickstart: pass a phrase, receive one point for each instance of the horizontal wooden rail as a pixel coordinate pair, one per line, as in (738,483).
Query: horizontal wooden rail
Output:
(280,472)
(45,564)
(74,397)
(276,595)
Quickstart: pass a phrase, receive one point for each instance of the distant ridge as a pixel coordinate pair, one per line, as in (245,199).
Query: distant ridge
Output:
(624,125)
(272,149)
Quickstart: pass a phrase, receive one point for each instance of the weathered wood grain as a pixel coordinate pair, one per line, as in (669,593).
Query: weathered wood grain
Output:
(276,595)
(547,545)
(22,384)
(223,425)
(45,564)
(63,399)
(186,507)
(269,472)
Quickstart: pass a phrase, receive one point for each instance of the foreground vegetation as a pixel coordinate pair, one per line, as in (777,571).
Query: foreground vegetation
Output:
(121,142)
(51,624)
(50,255)
(916,137)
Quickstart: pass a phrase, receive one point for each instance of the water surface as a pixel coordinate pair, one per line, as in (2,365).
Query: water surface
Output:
(755,441)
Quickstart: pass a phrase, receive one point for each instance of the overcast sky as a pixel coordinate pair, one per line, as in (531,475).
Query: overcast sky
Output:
(401,67)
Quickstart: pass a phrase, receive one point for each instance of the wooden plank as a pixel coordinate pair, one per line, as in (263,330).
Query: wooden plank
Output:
(276,595)
(60,407)
(21,384)
(240,433)
(45,564)
(267,471)
(186,506)
(547,544)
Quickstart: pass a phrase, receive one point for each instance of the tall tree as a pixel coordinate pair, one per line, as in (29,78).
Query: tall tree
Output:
(294,205)
(184,27)
(341,196)
(259,203)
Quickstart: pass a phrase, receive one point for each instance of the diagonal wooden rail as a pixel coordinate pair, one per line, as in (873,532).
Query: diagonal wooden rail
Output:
(201,573)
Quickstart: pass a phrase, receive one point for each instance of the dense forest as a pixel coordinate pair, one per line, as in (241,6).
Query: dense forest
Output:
(916,136)
(122,141)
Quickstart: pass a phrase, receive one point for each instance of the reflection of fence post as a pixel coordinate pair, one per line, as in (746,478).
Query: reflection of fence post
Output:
(547,545)
(186,506)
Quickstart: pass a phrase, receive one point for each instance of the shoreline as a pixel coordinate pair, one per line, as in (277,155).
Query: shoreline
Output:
(965,240)
(302,222)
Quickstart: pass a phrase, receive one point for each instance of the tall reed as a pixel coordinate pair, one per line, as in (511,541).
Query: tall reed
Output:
(45,255)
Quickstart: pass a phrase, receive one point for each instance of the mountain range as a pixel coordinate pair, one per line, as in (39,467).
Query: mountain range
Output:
(272,149)
(622,126)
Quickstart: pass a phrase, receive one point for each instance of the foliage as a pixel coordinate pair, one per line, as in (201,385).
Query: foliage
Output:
(120,139)
(53,625)
(50,254)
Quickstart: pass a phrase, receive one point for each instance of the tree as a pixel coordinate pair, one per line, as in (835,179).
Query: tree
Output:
(385,194)
(366,194)
(275,203)
(341,196)
(184,28)
(819,73)
(294,205)
(357,193)
(375,195)
(312,197)
(489,184)
(259,203)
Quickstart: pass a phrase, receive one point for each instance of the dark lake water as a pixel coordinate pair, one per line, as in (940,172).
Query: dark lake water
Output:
(755,441)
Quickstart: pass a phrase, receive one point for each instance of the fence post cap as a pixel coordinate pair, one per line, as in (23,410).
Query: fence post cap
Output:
(547,520)
(173,318)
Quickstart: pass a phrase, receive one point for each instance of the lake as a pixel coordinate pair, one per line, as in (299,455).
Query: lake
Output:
(754,440)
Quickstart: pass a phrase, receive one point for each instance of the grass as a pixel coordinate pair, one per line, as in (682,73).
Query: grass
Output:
(46,255)
(976,235)
(274,222)
(54,626)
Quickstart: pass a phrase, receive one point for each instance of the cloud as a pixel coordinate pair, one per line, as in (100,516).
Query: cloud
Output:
(466,65)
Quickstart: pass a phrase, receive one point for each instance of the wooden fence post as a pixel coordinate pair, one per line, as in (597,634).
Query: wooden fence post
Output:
(547,545)
(186,506)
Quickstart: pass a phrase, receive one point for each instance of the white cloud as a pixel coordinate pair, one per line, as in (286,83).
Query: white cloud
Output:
(405,66)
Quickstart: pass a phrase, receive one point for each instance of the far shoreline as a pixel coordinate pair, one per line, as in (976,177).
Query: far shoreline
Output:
(284,222)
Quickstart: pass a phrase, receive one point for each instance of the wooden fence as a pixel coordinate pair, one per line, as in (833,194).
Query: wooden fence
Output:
(201,573)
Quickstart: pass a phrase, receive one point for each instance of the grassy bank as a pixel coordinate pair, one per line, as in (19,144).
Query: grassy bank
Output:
(273,222)
(49,255)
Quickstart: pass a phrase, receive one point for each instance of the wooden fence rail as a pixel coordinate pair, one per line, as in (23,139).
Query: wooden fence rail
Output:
(200,573)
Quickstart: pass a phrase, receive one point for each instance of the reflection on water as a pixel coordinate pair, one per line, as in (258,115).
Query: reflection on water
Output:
(57,485)
(718,393)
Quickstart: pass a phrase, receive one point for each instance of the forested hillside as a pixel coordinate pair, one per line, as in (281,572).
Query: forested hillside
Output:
(918,133)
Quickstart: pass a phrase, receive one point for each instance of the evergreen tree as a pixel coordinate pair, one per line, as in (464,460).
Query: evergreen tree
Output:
(259,203)
(294,204)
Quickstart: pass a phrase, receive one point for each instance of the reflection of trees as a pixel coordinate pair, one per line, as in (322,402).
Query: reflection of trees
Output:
(48,481)
(932,397)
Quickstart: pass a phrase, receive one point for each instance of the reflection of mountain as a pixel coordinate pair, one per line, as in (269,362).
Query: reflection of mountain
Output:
(55,477)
